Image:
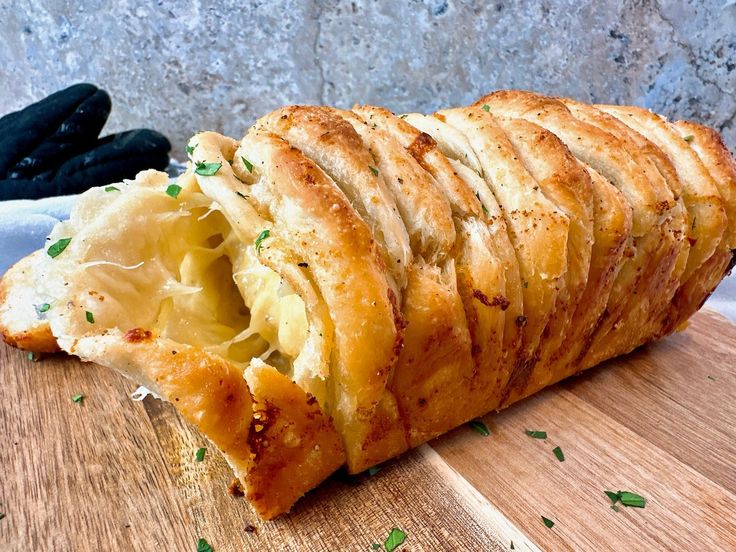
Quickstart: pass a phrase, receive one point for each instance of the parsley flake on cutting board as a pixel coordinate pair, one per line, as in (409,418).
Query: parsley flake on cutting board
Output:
(203,546)
(395,538)
(627,498)
(536,434)
(480,427)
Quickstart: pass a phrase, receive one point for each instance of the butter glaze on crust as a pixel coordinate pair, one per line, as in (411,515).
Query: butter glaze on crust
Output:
(709,254)
(314,215)
(649,250)
(439,360)
(487,267)
(661,276)
(538,230)
(340,286)
(566,183)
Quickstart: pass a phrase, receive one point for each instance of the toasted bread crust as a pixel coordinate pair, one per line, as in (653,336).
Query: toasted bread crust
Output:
(21,325)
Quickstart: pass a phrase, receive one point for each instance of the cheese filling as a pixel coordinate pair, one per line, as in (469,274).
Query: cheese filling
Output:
(176,270)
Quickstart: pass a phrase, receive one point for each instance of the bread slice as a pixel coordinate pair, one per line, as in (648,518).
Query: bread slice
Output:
(333,145)
(538,229)
(662,275)
(488,269)
(704,204)
(608,155)
(478,275)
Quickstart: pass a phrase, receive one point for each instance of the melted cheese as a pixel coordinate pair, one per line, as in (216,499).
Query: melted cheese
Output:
(180,273)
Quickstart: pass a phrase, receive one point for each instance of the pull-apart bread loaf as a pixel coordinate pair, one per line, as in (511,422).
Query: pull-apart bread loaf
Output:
(341,286)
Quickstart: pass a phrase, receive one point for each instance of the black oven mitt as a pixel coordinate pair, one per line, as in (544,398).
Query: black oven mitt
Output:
(52,147)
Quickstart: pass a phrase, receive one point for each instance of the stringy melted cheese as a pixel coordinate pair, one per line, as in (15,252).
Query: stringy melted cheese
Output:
(180,273)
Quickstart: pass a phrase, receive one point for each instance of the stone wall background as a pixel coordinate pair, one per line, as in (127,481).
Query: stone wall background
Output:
(185,65)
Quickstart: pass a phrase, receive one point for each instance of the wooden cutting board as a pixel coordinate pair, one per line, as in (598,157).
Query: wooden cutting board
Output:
(112,474)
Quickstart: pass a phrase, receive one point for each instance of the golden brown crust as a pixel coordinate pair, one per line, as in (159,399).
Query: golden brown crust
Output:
(653,247)
(312,213)
(21,325)
(208,391)
(700,193)
(705,206)
(538,230)
(714,154)
(425,150)
(435,365)
(423,208)
(602,151)
(660,275)
(565,182)
(486,264)
(612,232)
(273,434)
(333,144)
(441,301)
(294,445)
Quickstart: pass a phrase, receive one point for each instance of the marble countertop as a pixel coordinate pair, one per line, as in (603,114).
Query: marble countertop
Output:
(180,66)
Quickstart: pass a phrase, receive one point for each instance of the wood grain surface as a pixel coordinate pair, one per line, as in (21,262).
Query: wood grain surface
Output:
(113,474)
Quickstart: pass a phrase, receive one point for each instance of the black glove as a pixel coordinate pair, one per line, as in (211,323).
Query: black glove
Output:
(52,147)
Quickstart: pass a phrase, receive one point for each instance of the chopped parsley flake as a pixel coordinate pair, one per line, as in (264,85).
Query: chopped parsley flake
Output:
(395,538)
(548,522)
(44,307)
(480,427)
(111,189)
(173,190)
(200,454)
(632,499)
(627,498)
(32,356)
(90,317)
(262,236)
(373,470)
(190,149)
(374,170)
(203,546)
(486,108)
(559,454)
(688,138)
(248,164)
(207,169)
(536,434)
(77,398)
(58,248)
(375,546)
